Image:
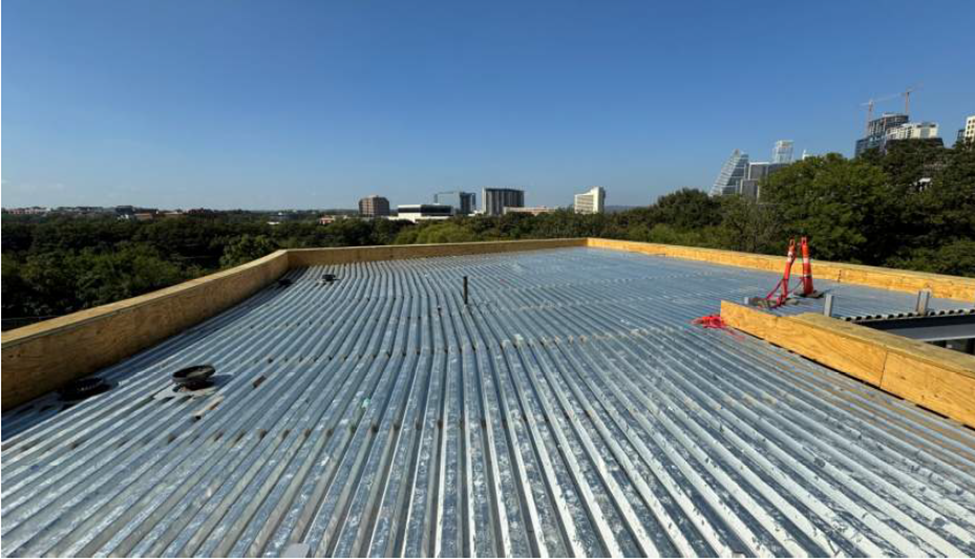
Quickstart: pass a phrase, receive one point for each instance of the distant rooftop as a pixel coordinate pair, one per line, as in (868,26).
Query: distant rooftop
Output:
(570,409)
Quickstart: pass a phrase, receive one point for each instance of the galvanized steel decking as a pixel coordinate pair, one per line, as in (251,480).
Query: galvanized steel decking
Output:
(570,409)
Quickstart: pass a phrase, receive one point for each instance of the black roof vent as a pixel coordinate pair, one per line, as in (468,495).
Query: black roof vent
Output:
(194,378)
(327,278)
(83,388)
(284,282)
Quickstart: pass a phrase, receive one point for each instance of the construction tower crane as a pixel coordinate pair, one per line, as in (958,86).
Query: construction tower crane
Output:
(906,94)
(869,105)
(907,98)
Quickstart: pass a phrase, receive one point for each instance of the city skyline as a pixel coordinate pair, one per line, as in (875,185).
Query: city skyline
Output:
(313,106)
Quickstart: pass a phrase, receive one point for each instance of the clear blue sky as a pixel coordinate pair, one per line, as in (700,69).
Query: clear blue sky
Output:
(311,104)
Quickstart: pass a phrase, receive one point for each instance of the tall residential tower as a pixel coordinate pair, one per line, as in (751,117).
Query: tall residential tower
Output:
(495,200)
(732,172)
(374,206)
(782,152)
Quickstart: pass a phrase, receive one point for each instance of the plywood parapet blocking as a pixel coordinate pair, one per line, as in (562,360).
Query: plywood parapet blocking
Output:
(302,257)
(948,287)
(47,355)
(939,379)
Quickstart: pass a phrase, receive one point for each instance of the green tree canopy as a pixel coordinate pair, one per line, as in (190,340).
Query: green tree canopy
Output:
(245,248)
(844,206)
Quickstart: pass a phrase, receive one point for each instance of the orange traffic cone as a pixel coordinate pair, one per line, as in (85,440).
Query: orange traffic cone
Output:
(807,279)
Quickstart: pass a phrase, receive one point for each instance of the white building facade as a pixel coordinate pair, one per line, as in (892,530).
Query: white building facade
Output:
(782,152)
(424,212)
(913,131)
(592,202)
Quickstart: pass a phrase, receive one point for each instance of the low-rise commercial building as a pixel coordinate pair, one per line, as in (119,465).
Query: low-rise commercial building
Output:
(537,210)
(423,212)
(463,203)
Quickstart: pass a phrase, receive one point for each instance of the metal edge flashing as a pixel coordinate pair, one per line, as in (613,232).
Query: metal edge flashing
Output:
(938,379)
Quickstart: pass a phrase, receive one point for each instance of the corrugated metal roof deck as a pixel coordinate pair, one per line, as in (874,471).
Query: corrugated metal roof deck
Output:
(570,410)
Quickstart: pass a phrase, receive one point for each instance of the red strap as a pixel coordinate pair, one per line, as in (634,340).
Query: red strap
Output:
(716,322)
(711,321)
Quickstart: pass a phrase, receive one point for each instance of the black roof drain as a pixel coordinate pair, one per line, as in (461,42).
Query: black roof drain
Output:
(83,388)
(193,378)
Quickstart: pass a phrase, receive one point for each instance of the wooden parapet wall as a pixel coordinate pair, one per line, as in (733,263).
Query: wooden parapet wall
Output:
(45,356)
(949,287)
(936,378)
(328,256)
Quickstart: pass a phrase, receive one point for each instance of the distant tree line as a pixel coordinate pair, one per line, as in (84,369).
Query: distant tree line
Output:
(912,207)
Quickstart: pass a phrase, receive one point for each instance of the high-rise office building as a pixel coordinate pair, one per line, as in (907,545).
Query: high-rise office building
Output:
(495,200)
(877,131)
(912,131)
(731,175)
(374,206)
(969,134)
(463,203)
(758,171)
(782,152)
(880,125)
(592,202)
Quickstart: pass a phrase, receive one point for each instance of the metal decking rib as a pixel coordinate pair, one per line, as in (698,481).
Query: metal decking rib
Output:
(570,410)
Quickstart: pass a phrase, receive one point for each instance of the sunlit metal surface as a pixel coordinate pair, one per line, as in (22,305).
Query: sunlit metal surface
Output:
(570,409)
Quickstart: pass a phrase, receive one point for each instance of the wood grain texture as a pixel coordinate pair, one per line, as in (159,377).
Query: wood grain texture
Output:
(938,388)
(858,358)
(329,256)
(45,356)
(949,287)
(939,379)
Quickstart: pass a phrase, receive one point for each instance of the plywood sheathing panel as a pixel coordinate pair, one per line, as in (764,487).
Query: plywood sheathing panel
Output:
(45,356)
(939,379)
(329,256)
(949,287)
